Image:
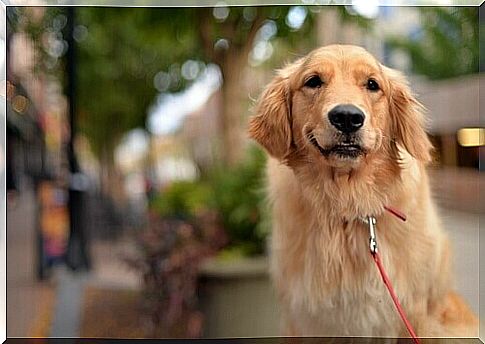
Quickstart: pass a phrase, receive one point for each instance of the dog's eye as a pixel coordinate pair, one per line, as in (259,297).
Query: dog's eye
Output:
(314,82)
(372,85)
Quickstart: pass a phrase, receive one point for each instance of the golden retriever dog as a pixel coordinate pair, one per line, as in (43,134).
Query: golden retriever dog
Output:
(346,139)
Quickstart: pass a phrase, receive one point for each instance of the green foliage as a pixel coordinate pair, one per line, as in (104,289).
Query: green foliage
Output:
(183,199)
(237,196)
(448,44)
(123,50)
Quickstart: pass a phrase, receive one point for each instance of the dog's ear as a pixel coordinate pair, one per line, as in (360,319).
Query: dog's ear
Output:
(271,124)
(407,117)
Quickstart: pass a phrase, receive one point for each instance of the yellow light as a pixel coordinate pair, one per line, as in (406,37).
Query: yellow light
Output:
(20,103)
(471,137)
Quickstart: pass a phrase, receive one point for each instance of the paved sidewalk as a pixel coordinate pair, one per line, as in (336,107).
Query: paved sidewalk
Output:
(463,231)
(29,302)
(109,272)
(69,303)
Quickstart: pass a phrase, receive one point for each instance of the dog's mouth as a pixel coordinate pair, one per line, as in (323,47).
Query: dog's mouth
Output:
(344,149)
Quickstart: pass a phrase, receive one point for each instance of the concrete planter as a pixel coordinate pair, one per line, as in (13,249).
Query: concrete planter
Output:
(237,299)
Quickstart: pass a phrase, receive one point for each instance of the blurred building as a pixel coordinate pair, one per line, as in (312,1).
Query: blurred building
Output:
(25,137)
(35,110)
(454,108)
(25,140)
(36,128)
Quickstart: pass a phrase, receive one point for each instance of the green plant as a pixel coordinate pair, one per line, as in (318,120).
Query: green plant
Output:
(239,198)
(236,194)
(183,199)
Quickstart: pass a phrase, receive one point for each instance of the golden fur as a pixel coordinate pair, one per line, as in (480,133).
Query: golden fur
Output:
(326,279)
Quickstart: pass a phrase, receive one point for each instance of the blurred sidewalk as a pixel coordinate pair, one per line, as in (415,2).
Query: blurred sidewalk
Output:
(29,302)
(463,230)
(89,301)
(55,307)
(457,191)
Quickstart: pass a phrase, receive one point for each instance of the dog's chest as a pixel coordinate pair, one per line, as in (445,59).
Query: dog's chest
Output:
(347,315)
(335,289)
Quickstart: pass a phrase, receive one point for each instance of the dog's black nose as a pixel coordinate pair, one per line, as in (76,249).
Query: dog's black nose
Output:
(346,118)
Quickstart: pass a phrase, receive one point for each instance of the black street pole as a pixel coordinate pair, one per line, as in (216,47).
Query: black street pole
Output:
(77,252)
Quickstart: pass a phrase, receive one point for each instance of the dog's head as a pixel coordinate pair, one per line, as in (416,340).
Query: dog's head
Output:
(341,106)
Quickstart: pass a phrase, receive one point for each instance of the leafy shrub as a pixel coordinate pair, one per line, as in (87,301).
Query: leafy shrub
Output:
(236,194)
(239,198)
(182,199)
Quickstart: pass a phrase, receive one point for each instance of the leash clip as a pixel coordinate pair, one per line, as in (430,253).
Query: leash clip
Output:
(371,222)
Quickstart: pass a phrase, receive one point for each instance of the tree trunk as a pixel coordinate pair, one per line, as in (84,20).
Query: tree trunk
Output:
(232,124)
(232,63)
(111,179)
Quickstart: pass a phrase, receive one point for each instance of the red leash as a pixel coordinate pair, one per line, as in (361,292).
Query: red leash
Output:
(371,221)
(387,282)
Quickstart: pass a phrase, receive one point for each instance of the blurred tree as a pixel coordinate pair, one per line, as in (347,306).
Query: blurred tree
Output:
(224,36)
(125,49)
(227,40)
(446,46)
(119,53)
(122,53)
